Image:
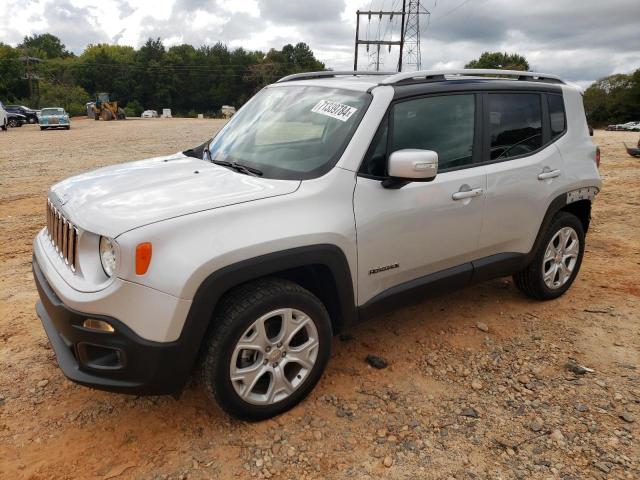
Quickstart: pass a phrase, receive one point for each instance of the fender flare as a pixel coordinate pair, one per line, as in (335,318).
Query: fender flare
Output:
(219,282)
(557,204)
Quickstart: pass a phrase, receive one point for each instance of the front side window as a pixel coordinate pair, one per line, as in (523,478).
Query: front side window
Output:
(443,124)
(515,124)
(291,132)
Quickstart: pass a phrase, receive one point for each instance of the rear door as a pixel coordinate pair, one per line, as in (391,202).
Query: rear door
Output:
(424,227)
(524,167)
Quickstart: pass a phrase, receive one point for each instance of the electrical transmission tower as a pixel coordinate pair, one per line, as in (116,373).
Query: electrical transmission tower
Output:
(411,36)
(409,42)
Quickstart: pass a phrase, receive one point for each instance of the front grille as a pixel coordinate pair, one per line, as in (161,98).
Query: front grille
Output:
(63,235)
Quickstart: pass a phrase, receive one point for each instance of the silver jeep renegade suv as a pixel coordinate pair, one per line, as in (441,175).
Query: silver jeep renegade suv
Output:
(328,198)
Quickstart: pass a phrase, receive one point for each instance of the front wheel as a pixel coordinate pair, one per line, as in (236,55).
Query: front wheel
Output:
(270,343)
(4,126)
(13,123)
(556,262)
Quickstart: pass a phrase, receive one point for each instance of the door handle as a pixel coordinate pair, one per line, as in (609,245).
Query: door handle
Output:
(548,175)
(476,192)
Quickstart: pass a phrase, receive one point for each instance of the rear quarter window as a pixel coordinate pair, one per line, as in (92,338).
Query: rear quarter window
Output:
(557,117)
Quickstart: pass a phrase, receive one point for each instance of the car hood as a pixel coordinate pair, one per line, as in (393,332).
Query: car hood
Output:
(113,200)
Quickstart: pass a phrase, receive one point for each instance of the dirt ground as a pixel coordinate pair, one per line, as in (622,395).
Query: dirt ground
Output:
(454,402)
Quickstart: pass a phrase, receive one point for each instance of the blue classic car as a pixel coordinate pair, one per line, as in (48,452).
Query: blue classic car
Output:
(54,118)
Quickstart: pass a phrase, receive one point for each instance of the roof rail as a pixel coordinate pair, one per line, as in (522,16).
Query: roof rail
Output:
(330,73)
(440,75)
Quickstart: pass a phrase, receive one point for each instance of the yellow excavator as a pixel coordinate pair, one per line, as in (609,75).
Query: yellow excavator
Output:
(107,110)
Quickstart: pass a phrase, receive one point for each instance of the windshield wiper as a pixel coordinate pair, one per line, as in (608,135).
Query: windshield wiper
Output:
(238,167)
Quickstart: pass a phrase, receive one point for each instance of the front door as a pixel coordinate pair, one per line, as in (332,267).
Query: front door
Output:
(424,227)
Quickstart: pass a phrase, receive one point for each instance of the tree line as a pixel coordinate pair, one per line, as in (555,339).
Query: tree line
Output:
(42,72)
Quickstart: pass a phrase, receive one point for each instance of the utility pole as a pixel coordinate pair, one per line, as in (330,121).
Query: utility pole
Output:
(32,78)
(404,11)
(378,42)
(409,43)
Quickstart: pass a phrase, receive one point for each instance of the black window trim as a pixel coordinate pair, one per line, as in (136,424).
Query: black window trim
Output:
(477,131)
(482,130)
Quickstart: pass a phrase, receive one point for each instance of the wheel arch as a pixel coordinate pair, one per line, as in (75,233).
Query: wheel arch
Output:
(580,208)
(322,269)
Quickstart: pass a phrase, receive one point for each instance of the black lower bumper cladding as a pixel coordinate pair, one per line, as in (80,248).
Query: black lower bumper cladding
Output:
(119,361)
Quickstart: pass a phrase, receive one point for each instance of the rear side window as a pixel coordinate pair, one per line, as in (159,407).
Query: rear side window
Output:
(515,124)
(442,124)
(557,120)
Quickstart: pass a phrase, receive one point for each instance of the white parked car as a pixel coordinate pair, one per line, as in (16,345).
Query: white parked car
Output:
(3,117)
(327,199)
(149,114)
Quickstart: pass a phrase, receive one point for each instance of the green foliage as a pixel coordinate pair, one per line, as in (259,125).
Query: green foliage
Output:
(613,99)
(70,97)
(44,46)
(500,60)
(133,109)
(12,84)
(183,78)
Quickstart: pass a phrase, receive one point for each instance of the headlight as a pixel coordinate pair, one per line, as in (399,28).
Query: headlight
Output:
(108,255)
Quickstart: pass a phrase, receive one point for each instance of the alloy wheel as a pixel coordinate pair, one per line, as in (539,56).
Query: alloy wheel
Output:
(560,258)
(274,356)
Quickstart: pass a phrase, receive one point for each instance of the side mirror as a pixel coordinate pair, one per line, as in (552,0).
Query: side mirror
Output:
(411,165)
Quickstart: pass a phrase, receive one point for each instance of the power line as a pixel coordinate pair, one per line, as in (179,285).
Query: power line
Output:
(449,12)
(409,16)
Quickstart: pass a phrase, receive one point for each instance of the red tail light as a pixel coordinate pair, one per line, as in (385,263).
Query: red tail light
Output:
(598,157)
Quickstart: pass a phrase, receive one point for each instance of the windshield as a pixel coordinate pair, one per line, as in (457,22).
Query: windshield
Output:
(291,132)
(52,111)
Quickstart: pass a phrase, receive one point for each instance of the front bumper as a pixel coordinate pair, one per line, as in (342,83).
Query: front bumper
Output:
(120,361)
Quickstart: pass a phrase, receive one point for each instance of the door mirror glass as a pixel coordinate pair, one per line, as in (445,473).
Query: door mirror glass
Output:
(413,165)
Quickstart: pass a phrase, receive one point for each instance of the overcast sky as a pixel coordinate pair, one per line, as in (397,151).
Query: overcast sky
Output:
(581,40)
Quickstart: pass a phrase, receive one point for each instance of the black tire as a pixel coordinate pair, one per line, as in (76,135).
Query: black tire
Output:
(106,115)
(4,126)
(67,127)
(13,123)
(43,128)
(530,280)
(236,312)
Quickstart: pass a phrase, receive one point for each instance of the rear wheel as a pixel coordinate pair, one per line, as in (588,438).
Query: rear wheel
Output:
(269,346)
(43,128)
(557,260)
(13,123)
(106,115)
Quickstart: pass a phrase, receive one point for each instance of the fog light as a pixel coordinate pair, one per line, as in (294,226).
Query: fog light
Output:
(95,324)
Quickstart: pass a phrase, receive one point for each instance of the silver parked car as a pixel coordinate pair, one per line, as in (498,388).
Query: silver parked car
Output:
(329,198)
